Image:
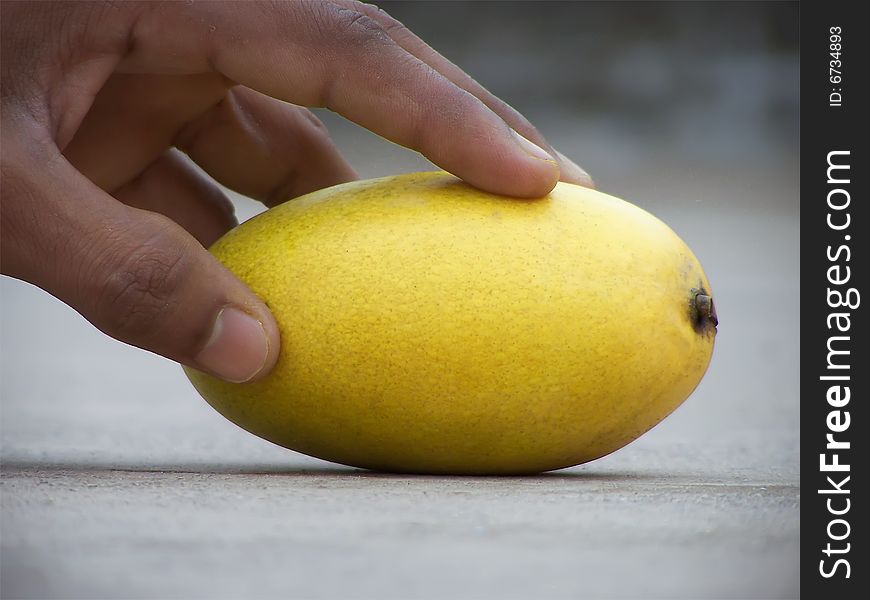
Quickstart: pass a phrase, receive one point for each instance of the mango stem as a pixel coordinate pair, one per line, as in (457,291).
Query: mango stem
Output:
(706,308)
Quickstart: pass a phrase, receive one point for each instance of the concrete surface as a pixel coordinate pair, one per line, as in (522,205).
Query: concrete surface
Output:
(118,481)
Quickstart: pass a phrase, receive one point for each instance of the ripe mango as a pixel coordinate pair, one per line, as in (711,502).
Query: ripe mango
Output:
(430,327)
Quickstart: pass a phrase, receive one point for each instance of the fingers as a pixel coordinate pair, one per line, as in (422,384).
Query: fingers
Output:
(570,171)
(134,274)
(172,187)
(264,148)
(321,54)
(134,119)
(253,144)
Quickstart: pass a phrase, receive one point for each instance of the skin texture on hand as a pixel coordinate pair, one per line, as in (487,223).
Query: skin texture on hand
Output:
(101,100)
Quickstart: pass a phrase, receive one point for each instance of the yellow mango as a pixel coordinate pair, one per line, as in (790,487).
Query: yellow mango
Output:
(430,327)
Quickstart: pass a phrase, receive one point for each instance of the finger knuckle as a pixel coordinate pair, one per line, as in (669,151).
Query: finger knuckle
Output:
(358,26)
(138,296)
(390,25)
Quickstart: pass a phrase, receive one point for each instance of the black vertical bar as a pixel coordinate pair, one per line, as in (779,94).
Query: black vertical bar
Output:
(834,228)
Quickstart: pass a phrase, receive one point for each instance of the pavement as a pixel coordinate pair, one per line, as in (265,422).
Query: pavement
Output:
(118,481)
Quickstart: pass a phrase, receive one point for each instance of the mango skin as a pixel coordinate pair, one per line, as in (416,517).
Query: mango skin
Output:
(430,327)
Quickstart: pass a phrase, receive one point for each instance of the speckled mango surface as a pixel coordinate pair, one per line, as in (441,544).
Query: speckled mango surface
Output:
(429,327)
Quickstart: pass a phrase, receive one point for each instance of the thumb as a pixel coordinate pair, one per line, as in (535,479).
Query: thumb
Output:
(134,274)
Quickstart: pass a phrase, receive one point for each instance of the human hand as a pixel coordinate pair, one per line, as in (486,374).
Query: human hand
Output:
(99,100)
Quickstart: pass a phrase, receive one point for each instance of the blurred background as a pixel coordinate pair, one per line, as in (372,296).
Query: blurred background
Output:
(119,481)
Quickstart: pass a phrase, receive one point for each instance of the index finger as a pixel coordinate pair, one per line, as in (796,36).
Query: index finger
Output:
(322,54)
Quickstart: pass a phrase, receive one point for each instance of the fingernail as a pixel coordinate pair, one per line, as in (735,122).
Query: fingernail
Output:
(572,172)
(238,347)
(532,149)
